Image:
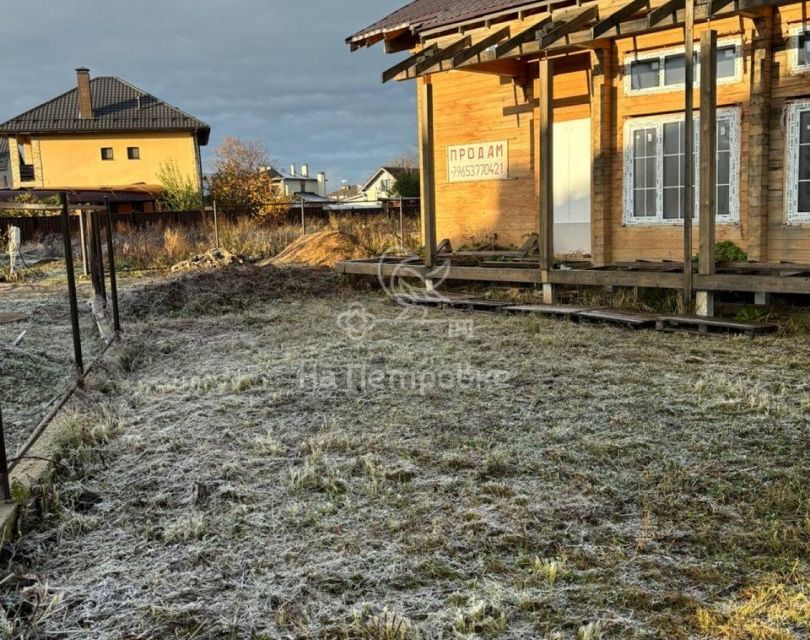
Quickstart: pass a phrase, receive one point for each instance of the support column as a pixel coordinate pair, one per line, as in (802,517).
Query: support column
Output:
(428,174)
(689,157)
(545,131)
(759,136)
(708,165)
(602,136)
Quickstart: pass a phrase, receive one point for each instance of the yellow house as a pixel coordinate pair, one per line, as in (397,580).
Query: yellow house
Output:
(105,134)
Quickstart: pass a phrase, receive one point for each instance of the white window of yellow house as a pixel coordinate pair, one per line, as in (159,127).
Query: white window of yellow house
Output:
(653,174)
(134,153)
(797,174)
(107,153)
(663,69)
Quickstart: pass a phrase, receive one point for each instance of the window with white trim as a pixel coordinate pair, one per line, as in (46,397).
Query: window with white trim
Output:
(797,173)
(664,69)
(654,160)
(799,58)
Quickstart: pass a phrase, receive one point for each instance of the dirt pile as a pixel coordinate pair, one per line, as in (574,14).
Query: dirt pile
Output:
(230,289)
(208,260)
(321,249)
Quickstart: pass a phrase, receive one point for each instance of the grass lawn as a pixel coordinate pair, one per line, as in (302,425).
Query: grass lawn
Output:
(245,467)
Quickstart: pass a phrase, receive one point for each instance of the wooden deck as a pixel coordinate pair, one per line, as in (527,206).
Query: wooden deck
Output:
(785,278)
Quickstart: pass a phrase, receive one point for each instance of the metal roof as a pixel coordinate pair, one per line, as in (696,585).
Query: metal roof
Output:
(422,15)
(117,106)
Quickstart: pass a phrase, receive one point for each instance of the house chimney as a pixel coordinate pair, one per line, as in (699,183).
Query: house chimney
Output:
(292,169)
(85,97)
(322,184)
(305,171)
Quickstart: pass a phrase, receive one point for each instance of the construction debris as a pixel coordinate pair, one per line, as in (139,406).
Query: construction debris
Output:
(214,258)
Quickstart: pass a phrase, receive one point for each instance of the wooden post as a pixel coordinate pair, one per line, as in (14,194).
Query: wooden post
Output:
(85,267)
(428,173)
(602,130)
(545,131)
(216,227)
(708,165)
(689,149)
(759,139)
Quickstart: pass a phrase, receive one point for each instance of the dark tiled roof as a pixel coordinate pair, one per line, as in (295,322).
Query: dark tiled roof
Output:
(117,106)
(421,15)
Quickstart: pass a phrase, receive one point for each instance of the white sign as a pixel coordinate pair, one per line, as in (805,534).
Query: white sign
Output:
(478,161)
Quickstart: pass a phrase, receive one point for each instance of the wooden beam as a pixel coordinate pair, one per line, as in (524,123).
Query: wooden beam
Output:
(441,56)
(669,8)
(427,163)
(759,135)
(545,165)
(526,36)
(602,127)
(408,63)
(708,150)
(714,6)
(688,149)
(560,30)
(473,53)
(617,17)
(509,68)
(520,109)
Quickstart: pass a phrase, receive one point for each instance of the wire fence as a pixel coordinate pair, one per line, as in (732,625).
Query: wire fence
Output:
(49,343)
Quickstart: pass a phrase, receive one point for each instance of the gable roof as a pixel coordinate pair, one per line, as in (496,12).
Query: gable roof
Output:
(396,172)
(117,106)
(422,15)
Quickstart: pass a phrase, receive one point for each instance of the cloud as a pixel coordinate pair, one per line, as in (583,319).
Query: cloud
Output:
(268,70)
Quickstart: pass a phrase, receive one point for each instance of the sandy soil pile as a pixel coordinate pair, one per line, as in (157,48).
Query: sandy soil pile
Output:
(321,249)
(209,259)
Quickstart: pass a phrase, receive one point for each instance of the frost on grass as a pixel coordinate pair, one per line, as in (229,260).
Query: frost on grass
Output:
(620,485)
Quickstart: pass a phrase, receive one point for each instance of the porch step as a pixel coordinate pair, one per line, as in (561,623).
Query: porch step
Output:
(700,324)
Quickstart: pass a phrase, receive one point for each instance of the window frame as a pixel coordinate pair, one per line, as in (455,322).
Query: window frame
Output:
(112,154)
(734,114)
(662,54)
(137,151)
(793,45)
(792,124)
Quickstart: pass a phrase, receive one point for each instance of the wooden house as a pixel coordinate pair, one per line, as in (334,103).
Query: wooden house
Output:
(571,120)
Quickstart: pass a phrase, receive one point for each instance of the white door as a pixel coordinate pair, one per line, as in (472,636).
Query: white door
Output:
(572,186)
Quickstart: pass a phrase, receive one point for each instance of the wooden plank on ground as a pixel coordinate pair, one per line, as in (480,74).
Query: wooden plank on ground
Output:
(9,318)
(553,310)
(617,316)
(707,325)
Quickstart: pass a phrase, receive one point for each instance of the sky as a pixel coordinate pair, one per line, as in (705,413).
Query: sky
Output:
(274,71)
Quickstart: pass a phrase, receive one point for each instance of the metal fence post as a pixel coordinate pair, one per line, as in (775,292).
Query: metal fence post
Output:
(5,485)
(71,280)
(111,259)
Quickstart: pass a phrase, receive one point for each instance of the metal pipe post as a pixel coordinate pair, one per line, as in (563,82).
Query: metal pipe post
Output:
(111,259)
(5,484)
(71,281)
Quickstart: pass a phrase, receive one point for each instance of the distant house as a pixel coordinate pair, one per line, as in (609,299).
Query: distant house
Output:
(381,185)
(297,181)
(346,192)
(104,134)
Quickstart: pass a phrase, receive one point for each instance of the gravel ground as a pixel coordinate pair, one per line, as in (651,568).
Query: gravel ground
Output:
(280,457)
